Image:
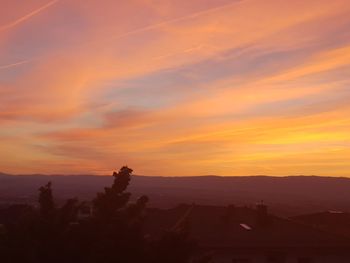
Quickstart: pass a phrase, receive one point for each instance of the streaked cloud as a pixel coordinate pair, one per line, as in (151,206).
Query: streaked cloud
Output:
(14,64)
(27,16)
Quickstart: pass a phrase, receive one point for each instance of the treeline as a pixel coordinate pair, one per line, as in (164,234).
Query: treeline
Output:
(112,232)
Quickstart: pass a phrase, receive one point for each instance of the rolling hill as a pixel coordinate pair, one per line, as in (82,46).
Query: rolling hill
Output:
(287,196)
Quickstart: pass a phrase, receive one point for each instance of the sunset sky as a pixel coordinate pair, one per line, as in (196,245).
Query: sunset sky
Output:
(175,87)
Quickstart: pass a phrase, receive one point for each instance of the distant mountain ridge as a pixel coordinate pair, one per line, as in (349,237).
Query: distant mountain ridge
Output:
(288,195)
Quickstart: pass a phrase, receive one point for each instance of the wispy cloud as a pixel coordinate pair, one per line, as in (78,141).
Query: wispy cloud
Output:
(27,16)
(178,19)
(14,64)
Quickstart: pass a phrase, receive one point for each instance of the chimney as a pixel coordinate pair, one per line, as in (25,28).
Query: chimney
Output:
(262,216)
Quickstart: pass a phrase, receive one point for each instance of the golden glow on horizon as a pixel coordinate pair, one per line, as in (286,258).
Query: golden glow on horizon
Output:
(175,87)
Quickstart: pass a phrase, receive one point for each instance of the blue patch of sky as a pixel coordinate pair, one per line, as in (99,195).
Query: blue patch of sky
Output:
(168,87)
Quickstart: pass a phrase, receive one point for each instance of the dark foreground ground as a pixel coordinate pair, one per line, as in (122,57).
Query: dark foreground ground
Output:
(220,220)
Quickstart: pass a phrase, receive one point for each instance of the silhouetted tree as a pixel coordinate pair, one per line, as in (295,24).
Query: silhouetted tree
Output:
(118,225)
(68,213)
(47,205)
(108,203)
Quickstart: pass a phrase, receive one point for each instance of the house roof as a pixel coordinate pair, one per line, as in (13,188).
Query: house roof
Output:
(239,227)
(331,221)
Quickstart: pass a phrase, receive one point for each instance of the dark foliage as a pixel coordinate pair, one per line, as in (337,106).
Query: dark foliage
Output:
(47,206)
(108,230)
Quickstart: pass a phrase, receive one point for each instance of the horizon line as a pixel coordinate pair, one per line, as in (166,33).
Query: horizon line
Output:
(178,176)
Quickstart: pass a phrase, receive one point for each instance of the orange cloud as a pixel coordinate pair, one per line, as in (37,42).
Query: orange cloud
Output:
(176,88)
